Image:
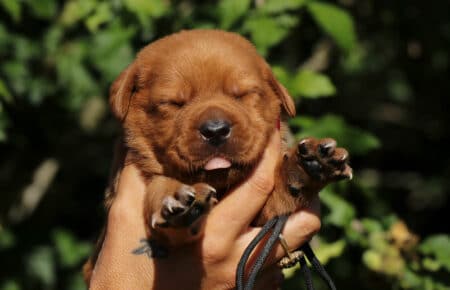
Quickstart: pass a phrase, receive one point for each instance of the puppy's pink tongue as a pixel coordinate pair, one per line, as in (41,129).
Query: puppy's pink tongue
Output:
(217,163)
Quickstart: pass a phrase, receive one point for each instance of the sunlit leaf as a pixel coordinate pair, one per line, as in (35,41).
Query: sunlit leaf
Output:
(311,84)
(373,260)
(431,264)
(231,10)
(341,212)
(439,247)
(70,251)
(335,21)
(101,15)
(153,8)
(76,10)
(281,75)
(372,225)
(267,31)
(327,251)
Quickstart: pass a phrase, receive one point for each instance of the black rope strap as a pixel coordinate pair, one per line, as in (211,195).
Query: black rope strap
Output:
(276,225)
(304,269)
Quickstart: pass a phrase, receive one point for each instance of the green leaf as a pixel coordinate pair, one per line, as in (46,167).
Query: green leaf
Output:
(102,14)
(40,265)
(341,212)
(327,251)
(277,6)
(431,264)
(266,31)
(52,39)
(334,21)
(5,39)
(25,49)
(313,85)
(411,280)
(5,95)
(230,11)
(3,137)
(147,10)
(113,51)
(76,10)
(70,251)
(10,285)
(44,9)
(73,75)
(371,225)
(357,141)
(7,238)
(76,282)
(13,8)
(153,8)
(39,89)
(439,247)
(373,260)
(17,75)
(282,76)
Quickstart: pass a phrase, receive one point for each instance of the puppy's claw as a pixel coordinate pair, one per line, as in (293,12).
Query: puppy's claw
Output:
(158,221)
(185,195)
(185,206)
(327,147)
(172,205)
(211,189)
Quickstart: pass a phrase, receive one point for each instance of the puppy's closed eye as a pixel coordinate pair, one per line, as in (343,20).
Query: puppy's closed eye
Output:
(165,105)
(246,93)
(171,103)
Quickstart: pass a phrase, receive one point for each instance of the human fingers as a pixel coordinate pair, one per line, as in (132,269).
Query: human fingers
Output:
(235,212)
(116,266)
(130,189)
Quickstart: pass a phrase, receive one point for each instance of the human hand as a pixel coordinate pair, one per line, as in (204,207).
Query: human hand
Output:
(209,263)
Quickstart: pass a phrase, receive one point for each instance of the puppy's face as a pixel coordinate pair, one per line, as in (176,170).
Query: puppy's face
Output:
(199,106)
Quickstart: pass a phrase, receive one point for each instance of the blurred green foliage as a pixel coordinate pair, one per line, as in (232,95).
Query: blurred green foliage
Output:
(384,230)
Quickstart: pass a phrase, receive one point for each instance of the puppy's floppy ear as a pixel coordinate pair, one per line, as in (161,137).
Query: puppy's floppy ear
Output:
(280,91)
(122,90)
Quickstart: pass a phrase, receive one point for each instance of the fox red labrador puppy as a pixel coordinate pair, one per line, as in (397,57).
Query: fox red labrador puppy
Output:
(197,110)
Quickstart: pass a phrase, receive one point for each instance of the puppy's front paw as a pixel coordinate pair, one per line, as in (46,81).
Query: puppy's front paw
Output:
(185,207)
(322,161)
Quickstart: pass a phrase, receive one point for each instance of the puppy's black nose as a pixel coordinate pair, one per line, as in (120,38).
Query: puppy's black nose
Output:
(215,132)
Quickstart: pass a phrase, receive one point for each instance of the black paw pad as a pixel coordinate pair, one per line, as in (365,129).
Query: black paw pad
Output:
(313,167)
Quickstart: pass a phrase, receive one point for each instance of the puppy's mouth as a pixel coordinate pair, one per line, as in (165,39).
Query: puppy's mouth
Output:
(217,163)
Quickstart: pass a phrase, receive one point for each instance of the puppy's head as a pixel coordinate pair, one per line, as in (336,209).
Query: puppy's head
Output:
(199,106)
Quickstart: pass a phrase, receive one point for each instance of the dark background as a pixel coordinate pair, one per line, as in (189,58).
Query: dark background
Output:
(372,74)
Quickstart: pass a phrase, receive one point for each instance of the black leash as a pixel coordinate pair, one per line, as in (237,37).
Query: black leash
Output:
(277,223)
